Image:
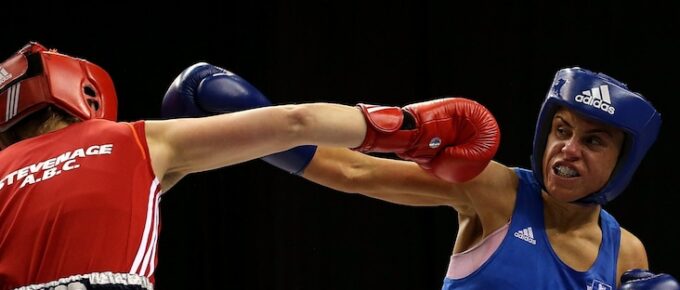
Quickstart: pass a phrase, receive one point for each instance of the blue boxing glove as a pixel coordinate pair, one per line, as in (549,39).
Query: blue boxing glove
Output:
(204,89)
(640,279)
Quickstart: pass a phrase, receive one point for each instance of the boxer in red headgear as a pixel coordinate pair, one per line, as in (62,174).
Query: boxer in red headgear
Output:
(80,192)
(35,78)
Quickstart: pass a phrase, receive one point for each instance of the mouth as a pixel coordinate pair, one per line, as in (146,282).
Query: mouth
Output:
(565,171)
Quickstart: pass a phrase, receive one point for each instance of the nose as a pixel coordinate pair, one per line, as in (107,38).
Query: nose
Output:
(571,148)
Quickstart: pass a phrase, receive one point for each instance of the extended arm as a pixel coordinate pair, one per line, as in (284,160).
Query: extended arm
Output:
(453,139)
(182,146)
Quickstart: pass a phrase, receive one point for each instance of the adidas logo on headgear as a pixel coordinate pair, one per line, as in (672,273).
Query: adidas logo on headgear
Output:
(4,75)
(597,97)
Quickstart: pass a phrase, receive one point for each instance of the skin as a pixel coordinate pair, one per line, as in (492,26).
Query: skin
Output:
(182,146)
(485,203)
(583,147)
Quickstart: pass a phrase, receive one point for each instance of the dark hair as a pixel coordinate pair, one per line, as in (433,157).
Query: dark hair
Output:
(40,122)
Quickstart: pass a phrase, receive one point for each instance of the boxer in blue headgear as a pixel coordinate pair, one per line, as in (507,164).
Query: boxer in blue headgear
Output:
(604,99)
(517,228)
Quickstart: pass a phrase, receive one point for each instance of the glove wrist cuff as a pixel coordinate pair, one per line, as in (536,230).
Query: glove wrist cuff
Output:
(384,131)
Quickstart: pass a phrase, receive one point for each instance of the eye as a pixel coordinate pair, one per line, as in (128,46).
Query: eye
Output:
(560,131)
(594,140)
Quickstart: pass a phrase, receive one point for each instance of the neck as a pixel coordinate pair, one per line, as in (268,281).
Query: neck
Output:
(43,121)
(565,216)
(60,124)
(43,128)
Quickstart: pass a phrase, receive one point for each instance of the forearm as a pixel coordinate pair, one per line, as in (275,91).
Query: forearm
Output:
(199,144)
(326,124)
(394,181)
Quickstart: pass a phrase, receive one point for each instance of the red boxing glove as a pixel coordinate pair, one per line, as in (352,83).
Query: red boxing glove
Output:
(453,138)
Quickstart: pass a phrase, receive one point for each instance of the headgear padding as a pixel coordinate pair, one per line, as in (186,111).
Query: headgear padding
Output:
(35,77)
(604,99)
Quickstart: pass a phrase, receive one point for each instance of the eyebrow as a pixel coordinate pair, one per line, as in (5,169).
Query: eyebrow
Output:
(597,130)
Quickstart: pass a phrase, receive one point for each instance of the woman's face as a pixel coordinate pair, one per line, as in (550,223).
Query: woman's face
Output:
(580,155)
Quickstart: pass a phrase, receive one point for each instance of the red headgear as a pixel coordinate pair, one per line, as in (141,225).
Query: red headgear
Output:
(35,77)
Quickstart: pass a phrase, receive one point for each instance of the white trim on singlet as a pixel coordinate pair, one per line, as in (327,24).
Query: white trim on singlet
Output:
(465,263)
(150,225)
(148,262)
(105,278)
(152,266)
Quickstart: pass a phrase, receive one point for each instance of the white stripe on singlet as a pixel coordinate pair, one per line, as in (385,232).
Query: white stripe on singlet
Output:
(149,256)
(148,227)
(152,266)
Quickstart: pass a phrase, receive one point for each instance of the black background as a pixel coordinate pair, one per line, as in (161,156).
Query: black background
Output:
(253,226)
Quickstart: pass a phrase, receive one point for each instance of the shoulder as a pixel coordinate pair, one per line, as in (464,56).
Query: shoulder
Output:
(631,245)
(632,253)
(92,128)
(496,175)
(493,192)
(495,182)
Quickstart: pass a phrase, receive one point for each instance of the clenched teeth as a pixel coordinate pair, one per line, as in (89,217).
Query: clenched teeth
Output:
(565,171)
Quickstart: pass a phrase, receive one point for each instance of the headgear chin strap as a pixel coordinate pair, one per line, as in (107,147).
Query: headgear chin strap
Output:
(604,99)
(35,77)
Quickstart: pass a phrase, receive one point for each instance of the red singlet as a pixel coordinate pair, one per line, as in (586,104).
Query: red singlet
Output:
(79,200)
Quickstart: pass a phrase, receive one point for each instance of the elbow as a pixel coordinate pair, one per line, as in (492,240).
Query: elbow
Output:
(299,120)
(355,180)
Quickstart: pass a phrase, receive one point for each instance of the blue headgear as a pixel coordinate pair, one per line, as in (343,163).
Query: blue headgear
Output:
(606,100)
